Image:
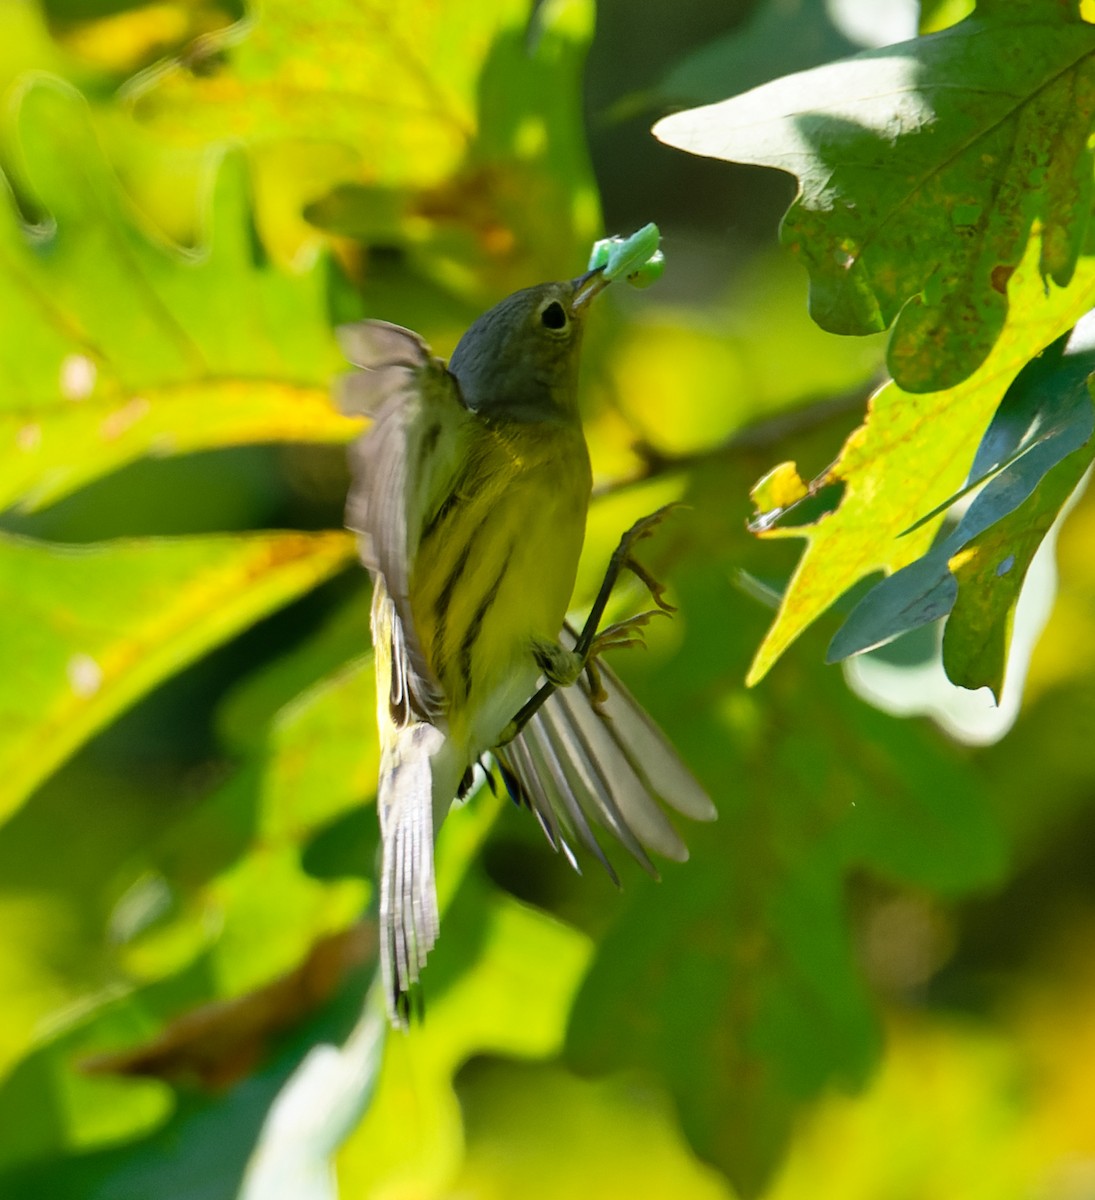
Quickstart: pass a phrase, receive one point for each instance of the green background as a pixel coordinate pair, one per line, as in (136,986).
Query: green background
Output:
(872,979)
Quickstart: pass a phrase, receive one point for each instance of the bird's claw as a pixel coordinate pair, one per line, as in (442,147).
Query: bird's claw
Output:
(656,589)
(623,557)
(626,633)
(562,667)
(622,635)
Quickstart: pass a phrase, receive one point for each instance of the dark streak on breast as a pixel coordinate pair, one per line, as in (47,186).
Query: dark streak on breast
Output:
(444,600)
(434,523)
(471,634)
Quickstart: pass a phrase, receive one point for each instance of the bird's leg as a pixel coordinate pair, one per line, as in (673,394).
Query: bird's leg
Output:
(561,667)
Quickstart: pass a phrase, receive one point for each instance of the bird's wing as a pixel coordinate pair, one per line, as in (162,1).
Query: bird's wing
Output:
(402,468)
(404,463)
(398,466)
(578,766)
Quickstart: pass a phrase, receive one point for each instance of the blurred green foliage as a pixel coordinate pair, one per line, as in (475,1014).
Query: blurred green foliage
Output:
(872,976)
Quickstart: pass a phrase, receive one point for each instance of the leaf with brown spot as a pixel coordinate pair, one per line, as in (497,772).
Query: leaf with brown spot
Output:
(923,168)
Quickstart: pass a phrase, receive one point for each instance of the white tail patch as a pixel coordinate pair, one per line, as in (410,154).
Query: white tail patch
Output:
(409,921)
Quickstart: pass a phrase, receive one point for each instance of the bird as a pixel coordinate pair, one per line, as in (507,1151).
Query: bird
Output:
(469,495)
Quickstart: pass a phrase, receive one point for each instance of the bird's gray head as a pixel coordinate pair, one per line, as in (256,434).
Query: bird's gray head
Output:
(519,361)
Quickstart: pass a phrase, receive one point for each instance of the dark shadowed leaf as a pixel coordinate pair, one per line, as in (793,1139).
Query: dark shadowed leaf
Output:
(750,999)
(990,570)
(1035,438)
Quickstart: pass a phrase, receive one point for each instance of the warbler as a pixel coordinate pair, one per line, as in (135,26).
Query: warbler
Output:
(469,494)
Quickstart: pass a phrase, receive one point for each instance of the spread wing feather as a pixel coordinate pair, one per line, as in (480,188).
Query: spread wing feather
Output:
(578,766)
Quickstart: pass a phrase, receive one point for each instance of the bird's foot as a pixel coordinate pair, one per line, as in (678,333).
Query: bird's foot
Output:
(562,667)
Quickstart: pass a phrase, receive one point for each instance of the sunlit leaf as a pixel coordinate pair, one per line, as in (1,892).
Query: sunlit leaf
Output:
(1046,417)
(395,85)
(87,630)
(168,896)
(320,753)
(922,168)
(212,941)
(240,890)
(913,452)
(620,1135)
(522,202)
(27,45)
(116,345)
(990,1110)
(121,38)
(508,996)
(449,129)
(945,1095)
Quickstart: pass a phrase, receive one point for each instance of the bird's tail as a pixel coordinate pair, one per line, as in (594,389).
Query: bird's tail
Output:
(409,920)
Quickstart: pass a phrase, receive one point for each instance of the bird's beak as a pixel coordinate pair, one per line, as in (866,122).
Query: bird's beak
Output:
(587,286)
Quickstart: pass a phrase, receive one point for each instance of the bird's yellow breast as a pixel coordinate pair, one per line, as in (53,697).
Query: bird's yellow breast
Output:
(495,569)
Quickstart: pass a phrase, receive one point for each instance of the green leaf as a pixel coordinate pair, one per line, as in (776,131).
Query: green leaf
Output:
(1046,416)
(1044,411)
(522,204)
(500,982)
(27,45)
(922,169)
(55,1107)
(72,904)
(397,86)
(735,979)
(311,763)
(450,129)
(87,630)
(153,906)
(910,455)
(323,753)
(990,570)
(56,895)
(621,1137)
(116,345)
(200,1152)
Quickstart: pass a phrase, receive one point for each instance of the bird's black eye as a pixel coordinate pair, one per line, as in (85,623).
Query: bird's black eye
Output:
(553,316)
